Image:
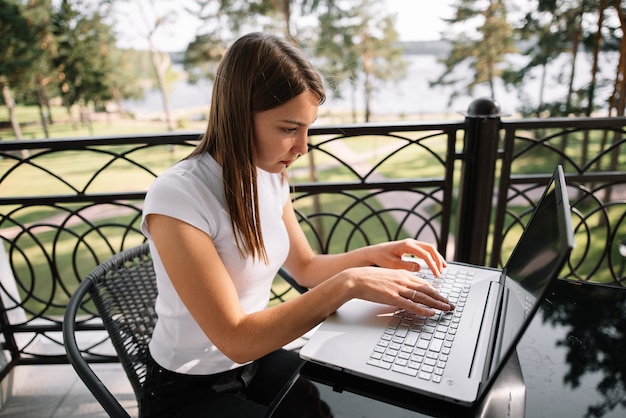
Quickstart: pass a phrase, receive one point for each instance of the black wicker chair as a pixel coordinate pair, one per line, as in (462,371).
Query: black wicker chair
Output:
(123,290)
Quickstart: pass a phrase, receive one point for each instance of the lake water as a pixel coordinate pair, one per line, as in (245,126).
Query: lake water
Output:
(410,96)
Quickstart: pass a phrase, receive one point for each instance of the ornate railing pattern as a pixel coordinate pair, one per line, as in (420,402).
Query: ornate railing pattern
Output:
(67,205)
(593,154)
(357,179)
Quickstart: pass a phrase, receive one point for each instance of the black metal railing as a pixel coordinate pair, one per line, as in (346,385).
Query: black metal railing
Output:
(468,186)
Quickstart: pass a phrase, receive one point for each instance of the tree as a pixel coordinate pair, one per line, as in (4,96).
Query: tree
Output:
(482,51)
(40,73)
(544,45)
(223,21)
(358,43)
(16,54)
(230,16)
(124,76)
(83,59)
(338,54)
(553,30)
(596,46)
(161,60)
(380,55)
(202,56)
(618,98)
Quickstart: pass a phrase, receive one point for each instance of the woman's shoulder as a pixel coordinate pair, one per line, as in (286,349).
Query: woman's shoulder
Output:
(197,168)
(196,175)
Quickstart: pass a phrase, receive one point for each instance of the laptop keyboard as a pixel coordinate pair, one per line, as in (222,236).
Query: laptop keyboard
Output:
(418,345)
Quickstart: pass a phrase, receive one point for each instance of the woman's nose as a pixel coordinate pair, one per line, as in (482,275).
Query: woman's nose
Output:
(301,146)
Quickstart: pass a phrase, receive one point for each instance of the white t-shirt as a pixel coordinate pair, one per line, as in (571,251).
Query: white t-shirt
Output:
(192,191)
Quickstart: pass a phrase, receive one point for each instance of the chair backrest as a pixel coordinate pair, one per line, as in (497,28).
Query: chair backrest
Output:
(123,288)
(124,294)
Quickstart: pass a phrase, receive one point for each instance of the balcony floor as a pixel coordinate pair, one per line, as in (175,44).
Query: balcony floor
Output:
(55,391)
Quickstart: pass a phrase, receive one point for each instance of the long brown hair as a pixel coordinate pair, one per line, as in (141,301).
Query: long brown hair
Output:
(258,72)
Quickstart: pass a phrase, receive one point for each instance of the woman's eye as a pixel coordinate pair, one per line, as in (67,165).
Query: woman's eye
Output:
(290,130)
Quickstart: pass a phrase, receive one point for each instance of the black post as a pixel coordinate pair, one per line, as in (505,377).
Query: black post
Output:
(480,151)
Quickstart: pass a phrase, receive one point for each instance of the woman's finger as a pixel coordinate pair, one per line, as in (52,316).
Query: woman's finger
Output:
(426,297)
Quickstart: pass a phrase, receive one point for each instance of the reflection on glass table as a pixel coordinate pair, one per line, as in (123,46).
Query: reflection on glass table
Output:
(574,353)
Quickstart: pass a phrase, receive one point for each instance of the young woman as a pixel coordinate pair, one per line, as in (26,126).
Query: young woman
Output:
(220,224)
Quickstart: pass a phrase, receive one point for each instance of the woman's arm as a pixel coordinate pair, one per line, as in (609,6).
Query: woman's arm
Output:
(205,287)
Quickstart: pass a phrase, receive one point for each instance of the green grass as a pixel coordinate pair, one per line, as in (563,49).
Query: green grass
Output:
(101,124)
(29,180)
(534,158)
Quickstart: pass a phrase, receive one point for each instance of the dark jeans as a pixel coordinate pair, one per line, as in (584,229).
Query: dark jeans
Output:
(244,392)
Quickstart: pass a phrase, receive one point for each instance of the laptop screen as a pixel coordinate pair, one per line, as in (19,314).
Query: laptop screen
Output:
(544,243)
(536,260)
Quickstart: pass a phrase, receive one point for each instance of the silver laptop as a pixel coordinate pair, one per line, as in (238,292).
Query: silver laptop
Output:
(454,356)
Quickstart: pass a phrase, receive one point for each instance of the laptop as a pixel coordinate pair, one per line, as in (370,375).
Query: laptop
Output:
(455,356)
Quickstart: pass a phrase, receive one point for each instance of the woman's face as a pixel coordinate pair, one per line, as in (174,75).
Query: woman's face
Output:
(280,134)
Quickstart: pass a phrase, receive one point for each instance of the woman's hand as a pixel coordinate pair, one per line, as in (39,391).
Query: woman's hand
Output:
(396,287)
(390,255)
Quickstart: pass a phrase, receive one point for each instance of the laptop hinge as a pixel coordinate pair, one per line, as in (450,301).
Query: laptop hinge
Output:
(485,344)
(494,357)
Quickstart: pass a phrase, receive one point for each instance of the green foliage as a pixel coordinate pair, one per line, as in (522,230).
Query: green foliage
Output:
(25,48)
(17,38)
(480,52)
(551,35)
(63,48)
(202,56)
(556,29)
(83,59)
(359,44)
(67,48)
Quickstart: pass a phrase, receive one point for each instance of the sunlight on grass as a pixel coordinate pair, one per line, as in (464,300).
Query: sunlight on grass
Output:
(102,124)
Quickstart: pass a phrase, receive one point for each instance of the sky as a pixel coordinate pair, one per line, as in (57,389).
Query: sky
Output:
(416,20)
(419,20)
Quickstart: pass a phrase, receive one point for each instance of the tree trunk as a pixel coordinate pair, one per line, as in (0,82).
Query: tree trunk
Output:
(575,44)
(597,46)
(70,115)
(367,85)
(8,99)
(42,116)
(119,101)
(42,83)
(317,206)
(160,62)
(41,105)
(594,71)
(618,100)
(542,88)
(286,11)
(353,105)
(85,117)
(368,98)
(570,88)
